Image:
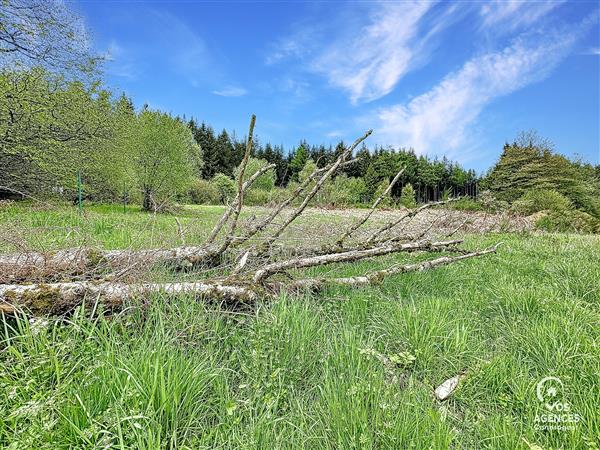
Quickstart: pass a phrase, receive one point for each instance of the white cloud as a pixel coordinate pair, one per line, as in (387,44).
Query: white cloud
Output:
(366,50)
(512,14)
(334,134)
(231,91)
(441,119)
(369,64)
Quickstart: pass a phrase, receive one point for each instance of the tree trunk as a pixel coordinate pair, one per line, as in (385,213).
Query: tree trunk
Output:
(147,204)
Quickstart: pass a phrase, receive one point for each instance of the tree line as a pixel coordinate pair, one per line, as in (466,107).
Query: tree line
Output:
(429,177)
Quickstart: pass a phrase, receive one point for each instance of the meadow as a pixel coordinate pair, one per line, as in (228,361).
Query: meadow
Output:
(352,368)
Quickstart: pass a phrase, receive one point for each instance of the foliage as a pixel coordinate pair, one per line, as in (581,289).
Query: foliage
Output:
(407,198)
(466,204)
(568,221)
(537,200)
(50,129)
(386,201)
(307,170)
(298,161)
(163,150)
(530,163)
(342,191)
(266,182)
(45,34)
(491,203)
(226,187)
(259,197)
(204,192)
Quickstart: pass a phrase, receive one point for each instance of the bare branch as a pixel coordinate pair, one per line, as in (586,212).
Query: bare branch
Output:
(334,167)
(380,275)
(277,210)
(361,221)
(410,214)
(240,194)
(352,255)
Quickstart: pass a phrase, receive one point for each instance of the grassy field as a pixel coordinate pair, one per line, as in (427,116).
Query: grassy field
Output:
(306,372)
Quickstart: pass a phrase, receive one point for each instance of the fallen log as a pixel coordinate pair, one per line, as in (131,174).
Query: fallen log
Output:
(33,266)
(61,298)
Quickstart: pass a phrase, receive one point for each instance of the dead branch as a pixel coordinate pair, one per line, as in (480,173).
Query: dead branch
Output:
(352,255)
(62,298)
(366,217)
(256,282)
(237,202)
(284,204)
(240,195)
(379,275)
(334,167)
(412,213)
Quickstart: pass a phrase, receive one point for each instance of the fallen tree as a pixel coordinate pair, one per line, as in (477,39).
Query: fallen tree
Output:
(57,282)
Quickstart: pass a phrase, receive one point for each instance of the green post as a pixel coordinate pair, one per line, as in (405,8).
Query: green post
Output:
(79,192)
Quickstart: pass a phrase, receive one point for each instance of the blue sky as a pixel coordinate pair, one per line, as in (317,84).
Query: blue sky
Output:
(446,78)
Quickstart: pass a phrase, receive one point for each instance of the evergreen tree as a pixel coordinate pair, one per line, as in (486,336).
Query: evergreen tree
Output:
(298,161)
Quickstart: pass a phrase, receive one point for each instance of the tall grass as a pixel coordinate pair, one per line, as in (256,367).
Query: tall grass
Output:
(304,372)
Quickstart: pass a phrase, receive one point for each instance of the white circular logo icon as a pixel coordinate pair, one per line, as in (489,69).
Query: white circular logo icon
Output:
(549,391)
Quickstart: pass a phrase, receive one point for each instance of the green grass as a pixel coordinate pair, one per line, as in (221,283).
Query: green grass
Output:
(303,372)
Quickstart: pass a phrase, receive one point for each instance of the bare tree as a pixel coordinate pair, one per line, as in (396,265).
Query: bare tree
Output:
(254,275)
(44,33)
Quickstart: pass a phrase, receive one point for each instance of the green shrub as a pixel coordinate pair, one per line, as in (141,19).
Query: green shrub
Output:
(387,201)
(225,186)
(307,170)
(344,191)
(568,221)
(490,203)
(537,200)
(258,197)
(407,197)
(204,192)
(466,204)
(265,182)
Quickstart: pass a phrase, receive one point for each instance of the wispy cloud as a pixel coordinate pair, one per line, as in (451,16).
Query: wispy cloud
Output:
(188,52)
(370,63)
(119,63)
(374,45)
(334,134)
(440,120)
(231,91)
(512,14)
(593,51)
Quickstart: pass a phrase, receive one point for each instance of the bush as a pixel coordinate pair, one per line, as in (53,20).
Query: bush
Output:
(490,203)
(265,182)
(407,197)
(568,221)
(344,191)
(387,201)
(537,200)
(204,192)
(225,187)
(258,197)
(466,204)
